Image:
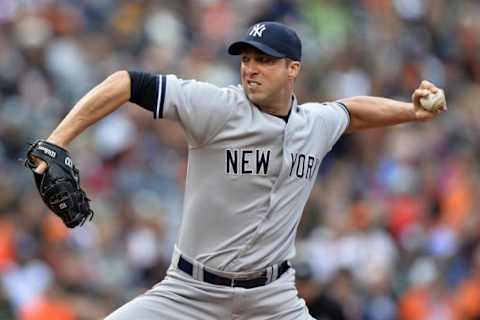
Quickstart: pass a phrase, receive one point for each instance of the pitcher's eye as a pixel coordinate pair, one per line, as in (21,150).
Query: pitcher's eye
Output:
(266,59)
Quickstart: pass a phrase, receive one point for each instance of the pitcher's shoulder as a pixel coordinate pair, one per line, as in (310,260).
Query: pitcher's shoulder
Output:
(236,90)
(236,94)
(311,107)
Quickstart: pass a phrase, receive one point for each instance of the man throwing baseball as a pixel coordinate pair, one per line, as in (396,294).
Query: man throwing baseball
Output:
(254,153)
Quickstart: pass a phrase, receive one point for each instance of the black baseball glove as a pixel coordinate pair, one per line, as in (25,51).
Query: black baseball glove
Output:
(59,185)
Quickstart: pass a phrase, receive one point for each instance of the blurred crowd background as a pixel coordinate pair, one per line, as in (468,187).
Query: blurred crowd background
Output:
(392,228)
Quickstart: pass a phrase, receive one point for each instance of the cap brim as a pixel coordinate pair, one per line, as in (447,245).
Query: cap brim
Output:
(236,48)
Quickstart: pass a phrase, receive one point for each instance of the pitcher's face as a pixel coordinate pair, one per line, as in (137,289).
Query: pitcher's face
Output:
(263,76)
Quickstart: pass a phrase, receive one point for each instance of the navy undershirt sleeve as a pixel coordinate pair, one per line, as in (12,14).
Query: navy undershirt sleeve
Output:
(144,89)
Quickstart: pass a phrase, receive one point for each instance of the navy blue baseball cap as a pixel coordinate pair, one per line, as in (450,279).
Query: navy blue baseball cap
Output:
(272,38)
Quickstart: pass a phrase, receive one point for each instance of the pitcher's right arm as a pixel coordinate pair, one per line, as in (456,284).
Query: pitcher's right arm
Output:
(102,100)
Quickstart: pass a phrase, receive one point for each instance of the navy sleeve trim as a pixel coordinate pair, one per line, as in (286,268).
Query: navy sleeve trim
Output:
(344,107)
(162,85)
(143,89)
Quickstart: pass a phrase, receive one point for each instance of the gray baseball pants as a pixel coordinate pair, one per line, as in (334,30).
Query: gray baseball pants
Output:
(179,297)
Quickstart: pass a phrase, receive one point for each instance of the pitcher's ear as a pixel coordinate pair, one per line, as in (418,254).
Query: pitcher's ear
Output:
(293,68)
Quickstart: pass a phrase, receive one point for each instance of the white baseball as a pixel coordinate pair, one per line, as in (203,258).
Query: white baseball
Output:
(433,101)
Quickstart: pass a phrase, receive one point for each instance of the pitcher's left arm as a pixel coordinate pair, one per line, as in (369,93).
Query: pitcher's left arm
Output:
(373,112)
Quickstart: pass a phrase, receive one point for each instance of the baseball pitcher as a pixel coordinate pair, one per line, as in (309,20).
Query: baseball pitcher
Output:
(254,154)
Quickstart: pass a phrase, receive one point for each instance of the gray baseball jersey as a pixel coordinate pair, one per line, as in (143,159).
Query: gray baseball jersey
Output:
(249,173)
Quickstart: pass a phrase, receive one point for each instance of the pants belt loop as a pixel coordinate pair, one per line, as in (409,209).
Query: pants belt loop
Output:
(269,274)
(175,258)
(274,272)
(197,271)
(200,273)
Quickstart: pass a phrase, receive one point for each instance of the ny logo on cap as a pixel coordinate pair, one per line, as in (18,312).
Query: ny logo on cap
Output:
(257,30)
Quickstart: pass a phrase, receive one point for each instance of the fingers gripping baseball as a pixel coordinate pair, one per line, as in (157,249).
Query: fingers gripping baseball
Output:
(428,101)
(427,85)
(425,88)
